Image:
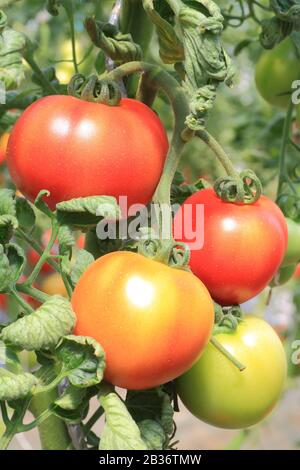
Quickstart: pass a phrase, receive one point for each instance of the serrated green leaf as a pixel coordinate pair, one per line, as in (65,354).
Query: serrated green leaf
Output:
(7,202)
(66,239)
(118,46)
(71,398)
(83,260)
(83,360)
(120,431)
(43,328)
(170,47)
(8,223)
(153,434)
(9,359)
(15,386)
(151,404)
(12,44)
(12,261)
(25,213)
(86,212)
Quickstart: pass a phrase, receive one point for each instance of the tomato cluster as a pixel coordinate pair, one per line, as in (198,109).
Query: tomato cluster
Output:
(155,321)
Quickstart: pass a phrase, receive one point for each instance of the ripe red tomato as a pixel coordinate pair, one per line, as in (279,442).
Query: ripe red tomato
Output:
(153,321)
(216,392)
(297,272)
(243,245)
(76,148)
(3,145)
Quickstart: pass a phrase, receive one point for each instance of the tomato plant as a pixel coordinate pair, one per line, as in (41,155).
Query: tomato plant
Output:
(275,72)
(91,144)
(219,394)
(234,236)
(139,315)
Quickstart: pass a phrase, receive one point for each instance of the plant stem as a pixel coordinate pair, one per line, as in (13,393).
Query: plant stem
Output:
(12,428)
(238,440)
(44,256)
(221,155)
(227,354)
(46,84)
(28,310)
(93,419)
(67,285)
(70,14)
(5,417)
(33,292)
(31,242)
(284,144)
(36,422)
(53,431)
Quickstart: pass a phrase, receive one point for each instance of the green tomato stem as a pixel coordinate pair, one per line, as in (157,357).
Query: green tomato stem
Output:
(15,422)
(36,422)
(46,84)
(27,308)
(227,354)
(45,255)
(284,143)
(52,430)
(221,155)
(33,292)
(70,14)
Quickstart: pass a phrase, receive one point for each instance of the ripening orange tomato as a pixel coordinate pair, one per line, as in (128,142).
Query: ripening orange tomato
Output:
(153,321)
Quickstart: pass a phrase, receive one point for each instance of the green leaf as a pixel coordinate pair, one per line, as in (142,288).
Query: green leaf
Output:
(153,434)
(69,416)
(71,398)
(12,44)
(15,386)
(43,328)
(86,212)
(120,431)
(8,224)
(118,46)
(9,359)
(12,262)
(66,241)
(170,47)
(83,260)
(83,360)
(7,202)
(151,404)
(25,213)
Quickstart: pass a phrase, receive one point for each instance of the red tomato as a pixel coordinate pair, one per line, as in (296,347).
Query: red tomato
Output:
(243,245)
(3,145)
(153,321)
(76,148)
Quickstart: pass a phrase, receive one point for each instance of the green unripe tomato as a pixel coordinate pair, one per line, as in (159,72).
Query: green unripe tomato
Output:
(216,392)
(275,72)
(283,275)
(292,254)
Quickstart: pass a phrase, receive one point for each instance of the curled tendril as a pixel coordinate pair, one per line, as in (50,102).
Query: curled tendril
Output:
(95,90)
(245,189)
(174,254)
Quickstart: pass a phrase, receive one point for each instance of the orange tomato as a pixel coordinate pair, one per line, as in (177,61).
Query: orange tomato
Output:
(3,145)
(153,321)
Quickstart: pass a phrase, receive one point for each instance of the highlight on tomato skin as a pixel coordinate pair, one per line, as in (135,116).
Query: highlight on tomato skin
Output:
(153,321)
(243,248)
(107,155)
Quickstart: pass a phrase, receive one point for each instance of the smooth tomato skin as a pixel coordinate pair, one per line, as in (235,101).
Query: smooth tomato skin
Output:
(153,321)
(292,254)
(243,245)
(3,146)
(75,148)
(276,70)
(216,392)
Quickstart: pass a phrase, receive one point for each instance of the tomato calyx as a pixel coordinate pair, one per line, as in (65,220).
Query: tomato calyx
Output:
(227,319)
(244,188)
(95,90)
(174,254)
